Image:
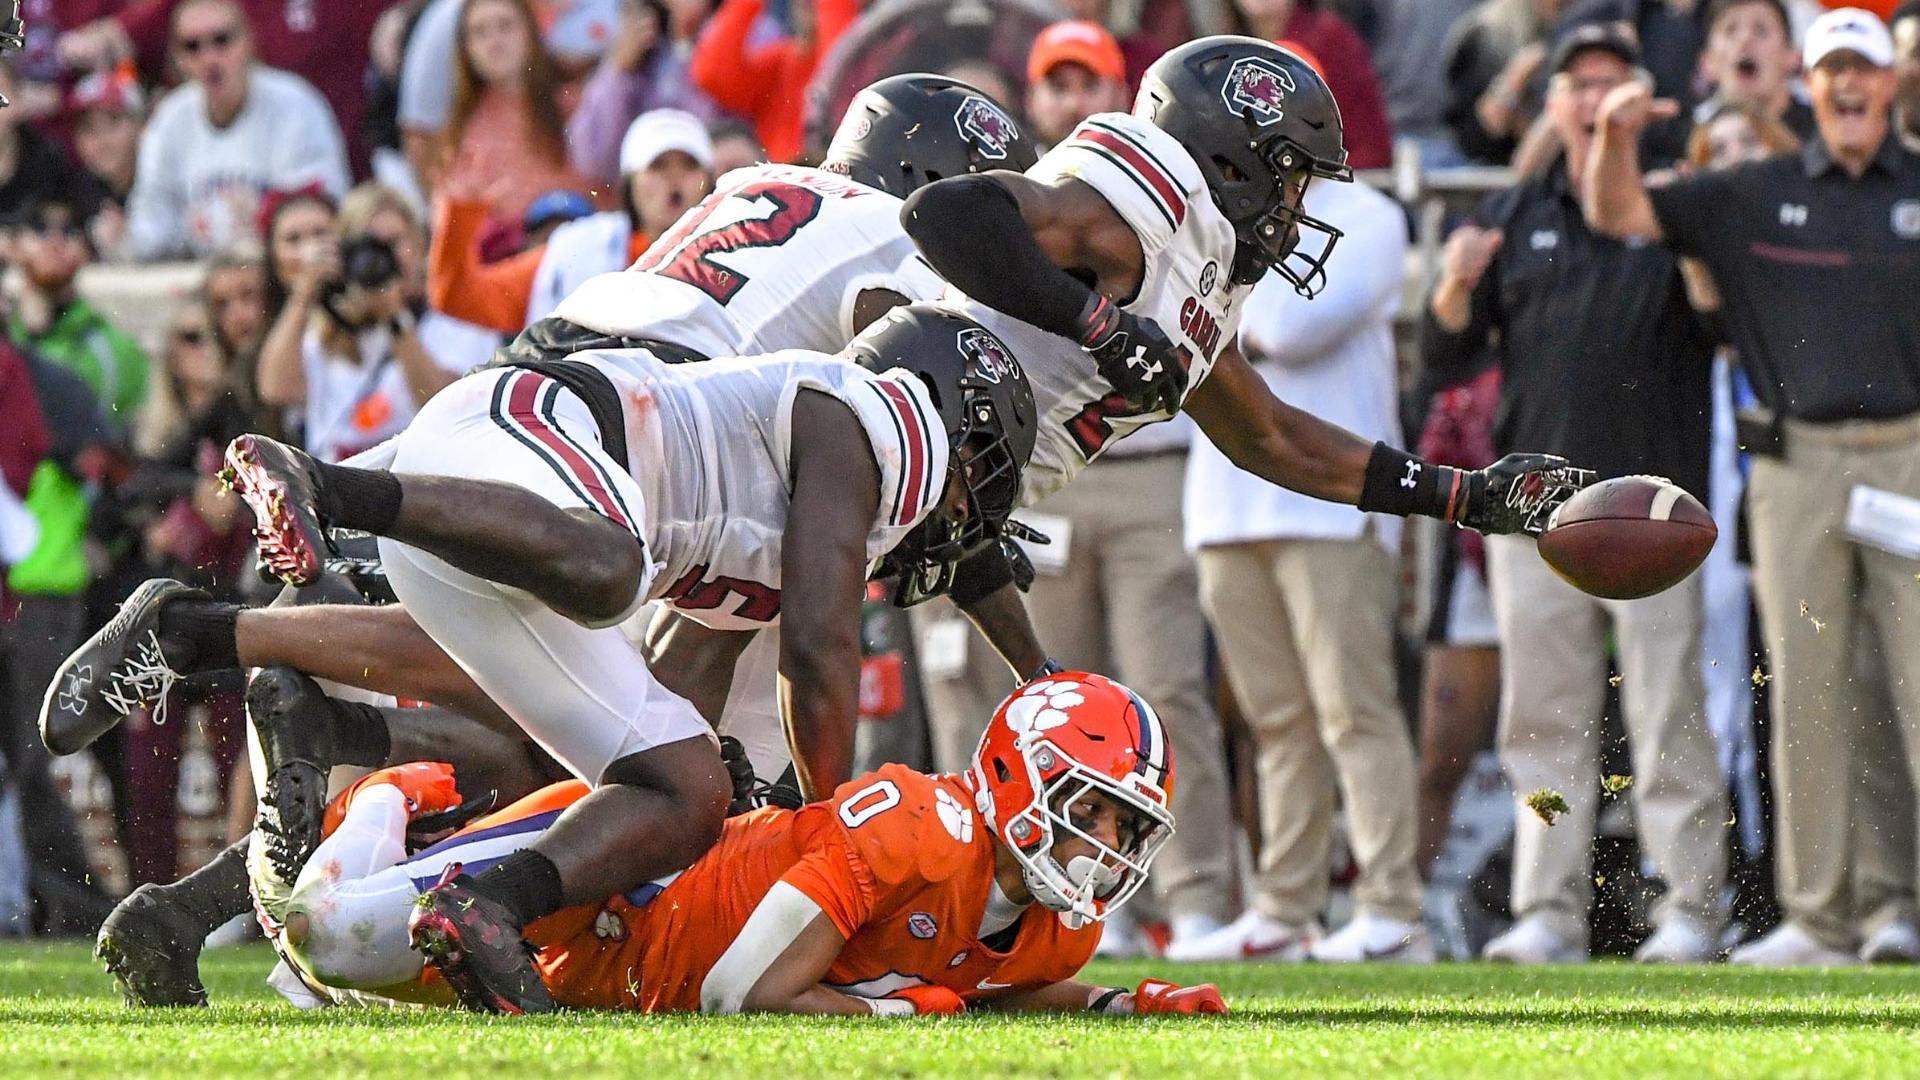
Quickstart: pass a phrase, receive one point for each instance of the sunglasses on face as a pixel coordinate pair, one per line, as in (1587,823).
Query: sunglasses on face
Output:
(219,39)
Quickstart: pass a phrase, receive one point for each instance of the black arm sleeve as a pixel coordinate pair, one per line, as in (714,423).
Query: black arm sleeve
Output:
(980,574)
(971,231)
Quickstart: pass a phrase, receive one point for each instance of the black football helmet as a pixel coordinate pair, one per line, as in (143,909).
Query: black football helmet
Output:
(1260,122)
(907,131)
(987,408)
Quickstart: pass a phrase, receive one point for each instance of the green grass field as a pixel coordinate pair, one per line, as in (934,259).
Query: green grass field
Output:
(59,1016)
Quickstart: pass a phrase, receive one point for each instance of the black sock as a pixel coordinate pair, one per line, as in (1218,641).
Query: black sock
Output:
(215,893)
(526,883)
(360,735)
(364,499)
(207,629)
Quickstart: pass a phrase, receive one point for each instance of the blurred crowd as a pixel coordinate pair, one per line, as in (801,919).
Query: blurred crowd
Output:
(1697,257)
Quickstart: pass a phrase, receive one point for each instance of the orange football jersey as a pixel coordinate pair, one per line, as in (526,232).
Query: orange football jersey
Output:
(900,861)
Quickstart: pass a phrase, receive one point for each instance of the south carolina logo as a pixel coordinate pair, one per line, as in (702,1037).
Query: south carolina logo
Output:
(991,130)
(990,358)
(1257,89)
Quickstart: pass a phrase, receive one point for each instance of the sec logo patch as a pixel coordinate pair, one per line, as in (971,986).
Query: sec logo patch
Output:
(921,925)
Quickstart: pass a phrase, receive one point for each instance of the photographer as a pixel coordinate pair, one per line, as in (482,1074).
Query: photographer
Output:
(347,348)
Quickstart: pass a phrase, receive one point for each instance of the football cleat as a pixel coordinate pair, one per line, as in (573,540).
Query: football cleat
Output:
(281,486)
(125,666)
(476,948)
(292,721)
(153,950)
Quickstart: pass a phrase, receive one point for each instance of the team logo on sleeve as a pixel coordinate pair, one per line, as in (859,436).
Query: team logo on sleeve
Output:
(990,358)
(1257,89)
(957,819)
(991,129)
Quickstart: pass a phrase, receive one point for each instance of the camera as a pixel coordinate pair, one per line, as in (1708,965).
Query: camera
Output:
(368,261)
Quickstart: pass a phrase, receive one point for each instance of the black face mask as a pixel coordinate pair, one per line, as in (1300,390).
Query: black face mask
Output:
(1272,237)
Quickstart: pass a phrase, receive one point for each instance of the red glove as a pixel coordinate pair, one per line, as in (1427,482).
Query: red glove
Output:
(931,1000)
(1159,997)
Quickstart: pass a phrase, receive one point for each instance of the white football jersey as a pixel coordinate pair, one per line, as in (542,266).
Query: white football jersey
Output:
(710,446)
(1187,289)
(773,259)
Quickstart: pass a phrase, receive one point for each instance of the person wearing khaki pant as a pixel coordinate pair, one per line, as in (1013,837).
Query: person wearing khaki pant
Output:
(1812,583)
(1553,649)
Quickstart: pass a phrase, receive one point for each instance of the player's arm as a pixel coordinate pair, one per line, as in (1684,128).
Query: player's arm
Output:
(1153,997)
(1297,450)
(823,569)
(986,588)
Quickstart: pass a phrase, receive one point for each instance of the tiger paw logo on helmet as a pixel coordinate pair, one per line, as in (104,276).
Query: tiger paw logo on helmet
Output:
(1043,706)
(1257,89)
(992,129)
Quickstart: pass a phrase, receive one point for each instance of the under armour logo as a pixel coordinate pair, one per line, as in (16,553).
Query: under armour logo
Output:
(1413,470)
(73,695)
(1142,361)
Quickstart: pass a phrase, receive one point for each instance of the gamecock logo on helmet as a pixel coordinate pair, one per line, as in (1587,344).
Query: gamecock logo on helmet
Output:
(1257,89)
(990,358)
(992,131)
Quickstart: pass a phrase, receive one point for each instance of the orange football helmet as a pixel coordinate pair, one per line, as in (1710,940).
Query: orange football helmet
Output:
(1055,740)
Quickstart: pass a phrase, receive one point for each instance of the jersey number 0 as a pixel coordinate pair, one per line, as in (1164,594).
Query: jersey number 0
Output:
(692,260)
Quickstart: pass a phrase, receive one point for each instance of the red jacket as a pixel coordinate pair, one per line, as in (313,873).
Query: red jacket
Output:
(1349,71)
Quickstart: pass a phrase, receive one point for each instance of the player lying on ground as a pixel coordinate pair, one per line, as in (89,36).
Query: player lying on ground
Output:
(902,894)
(532,508)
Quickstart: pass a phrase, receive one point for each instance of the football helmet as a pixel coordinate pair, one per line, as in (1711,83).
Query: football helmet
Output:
(905,132)
(1260,122)
(986,405)
(1055,740)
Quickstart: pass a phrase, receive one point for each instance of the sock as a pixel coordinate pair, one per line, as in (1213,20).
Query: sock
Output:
(215,893)
(364,499)
(360,735)
(207,628)
(526,883)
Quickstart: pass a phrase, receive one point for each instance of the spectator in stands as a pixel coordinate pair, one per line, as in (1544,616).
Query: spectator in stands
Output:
(1799,246)
(1671,35)
(355,364)
(765,81)
(1302,596)
(1750,60)
(666,162)
(107,110)
(32,166)
(234,130)
(734,146)
(1494,75)
(1074,71)
(1404,37)
(301,244)
(235,293)
(1584,318)
(1363,112)
(1906,52)
(642,70)
(1147,30)
(506,136)
(49,316)
(549,212)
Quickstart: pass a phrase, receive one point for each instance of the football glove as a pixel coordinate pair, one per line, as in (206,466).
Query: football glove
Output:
(1518,493)
(930,1000)
(1157,997)
(1135,355)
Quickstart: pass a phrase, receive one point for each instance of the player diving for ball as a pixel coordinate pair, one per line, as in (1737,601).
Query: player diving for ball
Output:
(901,894)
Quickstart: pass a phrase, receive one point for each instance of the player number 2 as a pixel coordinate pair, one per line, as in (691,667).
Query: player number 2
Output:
(692,260)
(869,802)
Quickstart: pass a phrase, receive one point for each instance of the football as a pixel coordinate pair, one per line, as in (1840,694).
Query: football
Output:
(1628,537)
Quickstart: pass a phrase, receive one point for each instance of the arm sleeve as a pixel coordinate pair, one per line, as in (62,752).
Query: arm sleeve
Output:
(1690,211)
(736,79)
(954,220)
(493,295)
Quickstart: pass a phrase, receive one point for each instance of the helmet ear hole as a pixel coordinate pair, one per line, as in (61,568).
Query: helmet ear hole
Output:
(1229,170)
(1000,770)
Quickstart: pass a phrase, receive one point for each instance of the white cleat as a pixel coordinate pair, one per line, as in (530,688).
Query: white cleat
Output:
(1375,939)
(1898,942)
(1678,941)
(1531,941)
(1252,936)
(1790,946)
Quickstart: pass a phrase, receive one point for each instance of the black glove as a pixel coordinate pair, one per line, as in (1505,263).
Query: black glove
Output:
(1134,355)
(1519,492)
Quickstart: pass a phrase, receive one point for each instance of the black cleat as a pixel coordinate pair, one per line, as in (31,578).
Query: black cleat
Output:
(476,948)
(293,721)
(153,949)
(124,666)
(281,486)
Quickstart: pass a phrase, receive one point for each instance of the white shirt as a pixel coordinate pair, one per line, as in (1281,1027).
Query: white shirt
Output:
(198,186)
(1331,356)
(353,406)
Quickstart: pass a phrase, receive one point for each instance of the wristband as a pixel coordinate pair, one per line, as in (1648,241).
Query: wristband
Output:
(1099,320)
(890,1006)
(1399,483)
(1102,1001)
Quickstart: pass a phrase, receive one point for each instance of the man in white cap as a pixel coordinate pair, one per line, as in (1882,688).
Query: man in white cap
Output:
(1817,256)
(666,166)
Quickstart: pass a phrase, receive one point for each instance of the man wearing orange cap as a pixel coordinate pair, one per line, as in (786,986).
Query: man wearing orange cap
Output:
(1075,70)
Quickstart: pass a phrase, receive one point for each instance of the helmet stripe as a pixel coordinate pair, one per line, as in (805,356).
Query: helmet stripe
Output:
(1152,742)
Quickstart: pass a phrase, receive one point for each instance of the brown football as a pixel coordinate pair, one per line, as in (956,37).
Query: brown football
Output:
(1629,537)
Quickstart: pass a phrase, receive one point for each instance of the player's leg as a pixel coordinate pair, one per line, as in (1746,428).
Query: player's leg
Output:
(151,941)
